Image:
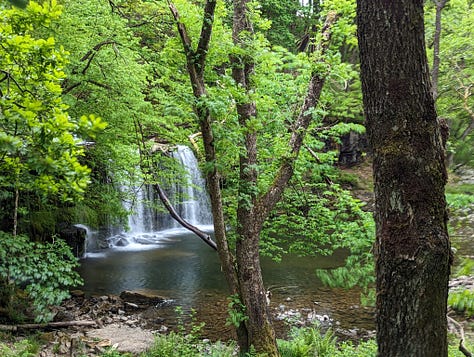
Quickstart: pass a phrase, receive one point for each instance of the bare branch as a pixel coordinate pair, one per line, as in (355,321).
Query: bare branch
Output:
(205,37)
(183,33)
(436,41)
(206,238)
(89,56)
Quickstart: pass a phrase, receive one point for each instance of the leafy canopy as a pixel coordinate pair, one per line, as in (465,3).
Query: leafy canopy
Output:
(40,144)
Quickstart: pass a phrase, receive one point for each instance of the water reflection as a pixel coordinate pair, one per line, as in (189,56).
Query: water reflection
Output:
(186,270)
(184,266)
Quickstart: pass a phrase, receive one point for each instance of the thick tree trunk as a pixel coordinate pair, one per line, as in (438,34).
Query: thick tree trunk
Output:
(254,207)
(412,246)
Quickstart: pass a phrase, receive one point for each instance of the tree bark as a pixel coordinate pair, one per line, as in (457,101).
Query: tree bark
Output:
(439,4)
(412,246)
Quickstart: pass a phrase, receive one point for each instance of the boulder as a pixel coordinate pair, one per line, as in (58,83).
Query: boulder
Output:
(353,146)
(142,297)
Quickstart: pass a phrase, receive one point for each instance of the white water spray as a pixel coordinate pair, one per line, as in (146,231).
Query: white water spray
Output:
(148,227)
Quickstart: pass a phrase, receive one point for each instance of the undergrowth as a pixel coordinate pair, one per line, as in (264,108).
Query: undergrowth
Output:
(302,342)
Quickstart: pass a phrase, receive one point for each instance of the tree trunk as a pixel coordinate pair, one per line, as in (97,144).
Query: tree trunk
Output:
(195,62)
(243,272)
(412,246)
(261,334)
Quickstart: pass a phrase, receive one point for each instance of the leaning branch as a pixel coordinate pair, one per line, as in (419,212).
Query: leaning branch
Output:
(183,33)
(205,237)
(460,331)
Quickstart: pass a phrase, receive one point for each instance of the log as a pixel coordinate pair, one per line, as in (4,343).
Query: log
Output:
(47,325)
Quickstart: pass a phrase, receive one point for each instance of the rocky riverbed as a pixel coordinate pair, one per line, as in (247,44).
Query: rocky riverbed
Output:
(130,321)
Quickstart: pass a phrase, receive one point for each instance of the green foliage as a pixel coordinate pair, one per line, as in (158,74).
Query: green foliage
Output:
(456,76)
(236,310)
(308,341)
(19,3)
(112,352)
(44,271)
(186,341)
(23,348)
(286,26)
(453,348)
(192,328)
(460,198)
(40,144)
(37,142)
(462,300)
(363,349)
(178,345)
(107,76)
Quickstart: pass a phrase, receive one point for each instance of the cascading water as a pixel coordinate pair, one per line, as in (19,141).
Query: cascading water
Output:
(191,200)
(149,226)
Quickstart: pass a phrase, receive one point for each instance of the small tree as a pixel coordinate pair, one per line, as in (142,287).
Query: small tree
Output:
(256,196)
(39,143)
(453,75)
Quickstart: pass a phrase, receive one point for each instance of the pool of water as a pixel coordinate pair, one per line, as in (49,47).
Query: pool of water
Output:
(182,268)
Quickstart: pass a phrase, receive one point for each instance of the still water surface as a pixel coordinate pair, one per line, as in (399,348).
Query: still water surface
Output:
(181,267)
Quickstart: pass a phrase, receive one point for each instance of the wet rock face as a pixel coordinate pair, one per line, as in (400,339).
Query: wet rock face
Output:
(352,148)
(75,237)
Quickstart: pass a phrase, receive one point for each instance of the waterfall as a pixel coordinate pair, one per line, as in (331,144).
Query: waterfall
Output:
(148,225)
(191,199)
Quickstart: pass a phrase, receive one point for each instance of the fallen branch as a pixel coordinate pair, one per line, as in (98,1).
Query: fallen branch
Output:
(460,329)
(46,325)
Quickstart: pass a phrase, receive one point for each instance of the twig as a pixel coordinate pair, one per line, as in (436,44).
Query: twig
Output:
(460,329)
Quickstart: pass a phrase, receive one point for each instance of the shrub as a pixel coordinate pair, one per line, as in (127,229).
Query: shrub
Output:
(44,272)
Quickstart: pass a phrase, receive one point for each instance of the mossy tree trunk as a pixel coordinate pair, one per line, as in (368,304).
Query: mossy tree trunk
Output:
(412,245)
